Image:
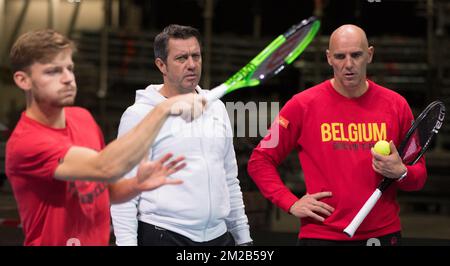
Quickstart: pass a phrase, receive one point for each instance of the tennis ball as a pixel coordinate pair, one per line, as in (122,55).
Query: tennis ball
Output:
(382,147)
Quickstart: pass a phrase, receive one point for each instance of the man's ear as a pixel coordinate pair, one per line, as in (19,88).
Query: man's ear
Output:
(161,66)
(22,80)
(371,50)
(328,57)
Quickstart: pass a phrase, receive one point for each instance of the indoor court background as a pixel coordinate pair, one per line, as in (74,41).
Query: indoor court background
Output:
(115,58)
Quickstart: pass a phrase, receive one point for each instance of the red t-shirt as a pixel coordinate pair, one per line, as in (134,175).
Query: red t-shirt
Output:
(333,135)
(55,212)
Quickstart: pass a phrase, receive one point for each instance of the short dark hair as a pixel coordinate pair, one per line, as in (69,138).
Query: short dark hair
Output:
(37,46)
(173,31)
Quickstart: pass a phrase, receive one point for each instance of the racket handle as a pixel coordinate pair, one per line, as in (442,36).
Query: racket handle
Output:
(216,93)
(385,184)
(359,218)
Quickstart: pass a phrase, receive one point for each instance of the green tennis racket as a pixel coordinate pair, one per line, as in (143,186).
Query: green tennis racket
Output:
(272,60)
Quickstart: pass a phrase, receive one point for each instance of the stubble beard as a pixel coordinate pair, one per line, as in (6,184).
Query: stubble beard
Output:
(61,100)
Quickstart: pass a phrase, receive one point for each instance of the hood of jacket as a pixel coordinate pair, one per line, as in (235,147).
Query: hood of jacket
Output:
(151,95)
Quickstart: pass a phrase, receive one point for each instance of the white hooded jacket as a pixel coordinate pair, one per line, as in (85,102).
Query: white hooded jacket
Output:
(209,201)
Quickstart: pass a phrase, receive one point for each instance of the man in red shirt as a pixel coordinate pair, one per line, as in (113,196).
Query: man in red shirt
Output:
(333,127)
(56,151)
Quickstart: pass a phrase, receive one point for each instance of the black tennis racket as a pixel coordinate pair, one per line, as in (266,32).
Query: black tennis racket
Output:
(272,60)
(414,145)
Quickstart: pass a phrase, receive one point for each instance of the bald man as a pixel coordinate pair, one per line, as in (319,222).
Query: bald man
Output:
(333,127)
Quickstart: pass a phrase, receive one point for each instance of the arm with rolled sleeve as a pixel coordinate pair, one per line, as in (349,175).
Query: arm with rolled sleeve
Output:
(124,215)
(237,221)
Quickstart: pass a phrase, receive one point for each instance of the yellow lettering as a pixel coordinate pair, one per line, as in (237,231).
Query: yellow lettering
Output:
(335,131)
(343,133)
(379,133)
(360,138)
(352,132)
(325,130)
(367,132)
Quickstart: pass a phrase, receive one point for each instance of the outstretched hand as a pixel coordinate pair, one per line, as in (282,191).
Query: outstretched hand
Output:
(153,174)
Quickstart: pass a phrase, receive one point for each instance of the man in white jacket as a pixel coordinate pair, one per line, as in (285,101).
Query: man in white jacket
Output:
(207,209)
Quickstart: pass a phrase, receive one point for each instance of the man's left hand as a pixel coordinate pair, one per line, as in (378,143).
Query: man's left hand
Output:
(390,166)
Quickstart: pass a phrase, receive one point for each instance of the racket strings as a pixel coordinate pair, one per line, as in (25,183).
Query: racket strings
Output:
(422,135)
(277,58)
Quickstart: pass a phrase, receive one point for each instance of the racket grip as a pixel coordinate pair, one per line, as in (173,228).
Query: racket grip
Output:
(216,93)
(359,218)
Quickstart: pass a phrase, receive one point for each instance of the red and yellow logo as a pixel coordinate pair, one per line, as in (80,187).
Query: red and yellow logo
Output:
(283,122)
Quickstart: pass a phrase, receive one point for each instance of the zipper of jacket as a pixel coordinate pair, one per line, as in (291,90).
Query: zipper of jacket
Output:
(209,185)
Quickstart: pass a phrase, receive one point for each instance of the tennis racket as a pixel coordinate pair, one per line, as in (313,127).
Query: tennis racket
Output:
(272,60)
(414,145)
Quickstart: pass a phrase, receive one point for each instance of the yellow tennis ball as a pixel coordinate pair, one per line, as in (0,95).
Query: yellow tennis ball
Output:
(382,147)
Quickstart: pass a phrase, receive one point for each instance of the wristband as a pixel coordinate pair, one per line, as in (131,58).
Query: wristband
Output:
(403,175)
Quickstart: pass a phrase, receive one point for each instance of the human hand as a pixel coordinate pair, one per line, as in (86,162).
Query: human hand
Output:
(390,166)
(153,174)
(187,106)
(311,206)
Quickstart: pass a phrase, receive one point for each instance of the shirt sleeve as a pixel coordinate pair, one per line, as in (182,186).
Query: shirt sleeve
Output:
(38,157)
(124,215)
(237,221)
(417,173)
(125,223)
(272,150)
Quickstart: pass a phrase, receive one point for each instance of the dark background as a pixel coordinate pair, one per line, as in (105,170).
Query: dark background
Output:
(411,57)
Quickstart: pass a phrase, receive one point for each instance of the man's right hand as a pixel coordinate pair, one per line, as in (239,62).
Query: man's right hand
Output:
(311,206)
(188,106)
(153,174)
